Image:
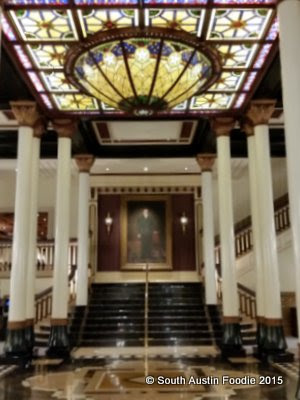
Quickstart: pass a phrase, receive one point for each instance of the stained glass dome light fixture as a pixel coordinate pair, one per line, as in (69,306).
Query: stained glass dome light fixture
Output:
(142,71)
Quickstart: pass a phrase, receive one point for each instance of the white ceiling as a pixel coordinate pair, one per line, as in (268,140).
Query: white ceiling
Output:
(137,131)
(153,165)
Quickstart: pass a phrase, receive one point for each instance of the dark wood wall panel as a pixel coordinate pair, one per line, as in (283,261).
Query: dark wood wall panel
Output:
(183,243)
(109,246)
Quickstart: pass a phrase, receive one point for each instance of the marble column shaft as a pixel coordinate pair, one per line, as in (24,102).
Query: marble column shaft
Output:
(206,162)
(232,340)
(259,113)
(58,342)
(84,163)
(26,114)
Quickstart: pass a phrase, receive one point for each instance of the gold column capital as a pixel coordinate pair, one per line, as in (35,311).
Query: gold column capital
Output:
(84,162)
(222,126)
(206,161)
(65,128)
(25,112)
(260,111)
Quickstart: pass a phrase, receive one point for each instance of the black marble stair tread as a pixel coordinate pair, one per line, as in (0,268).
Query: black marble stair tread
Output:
(177,315)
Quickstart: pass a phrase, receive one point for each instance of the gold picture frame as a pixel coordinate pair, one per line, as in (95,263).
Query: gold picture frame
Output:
(137,250)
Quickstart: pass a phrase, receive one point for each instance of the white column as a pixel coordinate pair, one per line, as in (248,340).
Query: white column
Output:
(26,114)
(259,113)
(58,345)
(84,163)
(206,162)
(223,127)
(62,224)
(93,234)
(256,221)
(289,17)
(32,239)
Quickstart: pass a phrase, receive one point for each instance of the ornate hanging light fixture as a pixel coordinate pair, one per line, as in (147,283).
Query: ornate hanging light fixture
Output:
(142,71)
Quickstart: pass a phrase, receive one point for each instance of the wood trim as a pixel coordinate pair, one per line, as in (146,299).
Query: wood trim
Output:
(29,322)
(260,320)
(273,322)
(16,325)
(58,322)
(231,320)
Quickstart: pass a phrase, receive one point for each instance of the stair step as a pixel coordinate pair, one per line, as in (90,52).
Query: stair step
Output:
(177,315)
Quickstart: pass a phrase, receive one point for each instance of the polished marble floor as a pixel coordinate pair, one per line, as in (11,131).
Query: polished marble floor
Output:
(188,378)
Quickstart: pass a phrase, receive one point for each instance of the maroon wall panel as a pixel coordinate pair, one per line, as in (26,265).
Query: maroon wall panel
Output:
(183,252)
(109,246)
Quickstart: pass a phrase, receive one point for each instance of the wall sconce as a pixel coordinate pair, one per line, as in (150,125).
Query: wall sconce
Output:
(184,221)
(108,223)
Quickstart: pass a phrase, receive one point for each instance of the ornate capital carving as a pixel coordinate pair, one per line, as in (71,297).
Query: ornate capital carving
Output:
(247,127)
(260,111)
(84,162)
(39,127)
(65,127)
(222,126)
(25,112)
(206,161)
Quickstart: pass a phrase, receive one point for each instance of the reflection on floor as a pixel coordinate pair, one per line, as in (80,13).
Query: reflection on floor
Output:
(139,352)
(188,377)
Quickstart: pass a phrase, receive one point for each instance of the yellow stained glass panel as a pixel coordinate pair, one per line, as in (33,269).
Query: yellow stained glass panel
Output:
(57,82)
(211,101)
(44,25)
(75,102)
(187,20)
(93,21)
(48,56)
(238,23)
(237,56)
(228,81)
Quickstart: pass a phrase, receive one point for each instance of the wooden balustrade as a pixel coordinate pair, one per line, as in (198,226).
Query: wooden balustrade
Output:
(243,229)
(247,299)
(43,305)
(43,300)
(44,259)
(244,244)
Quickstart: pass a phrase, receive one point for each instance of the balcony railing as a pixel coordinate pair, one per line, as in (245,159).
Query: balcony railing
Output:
(44,257)
(243,229)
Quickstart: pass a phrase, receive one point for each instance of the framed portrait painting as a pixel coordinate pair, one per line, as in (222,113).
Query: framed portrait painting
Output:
(146,232)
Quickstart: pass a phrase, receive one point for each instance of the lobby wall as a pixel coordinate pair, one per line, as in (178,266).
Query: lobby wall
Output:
(183,244)
(246,265)
(46,201)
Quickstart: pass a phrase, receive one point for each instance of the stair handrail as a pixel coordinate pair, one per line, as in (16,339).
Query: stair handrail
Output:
(243,229)
(43,300)
(146,312)
(247,300)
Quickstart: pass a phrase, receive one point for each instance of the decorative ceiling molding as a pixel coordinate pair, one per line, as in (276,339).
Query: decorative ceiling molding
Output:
(156,133)
(38,34)
(149,190)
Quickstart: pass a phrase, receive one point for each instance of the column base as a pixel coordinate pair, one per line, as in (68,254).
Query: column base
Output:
(76,324)
(260,331)
(16,344)
(232,344)
(297,395)
(274,340)
(29,334)
(58,346)
(273,346)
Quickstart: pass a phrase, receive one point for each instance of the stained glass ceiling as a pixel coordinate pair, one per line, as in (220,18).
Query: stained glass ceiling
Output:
(39,33)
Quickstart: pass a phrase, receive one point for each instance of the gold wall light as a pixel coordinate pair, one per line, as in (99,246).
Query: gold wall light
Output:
(184,221)
(108,223)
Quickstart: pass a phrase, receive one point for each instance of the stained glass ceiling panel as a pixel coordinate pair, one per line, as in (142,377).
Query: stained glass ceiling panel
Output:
(93,21)
(39,33)
(190,21)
